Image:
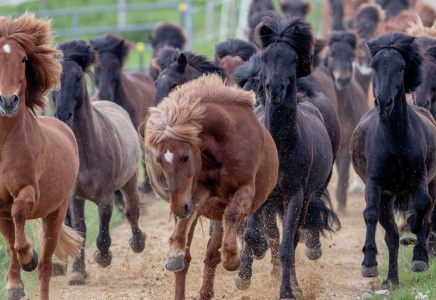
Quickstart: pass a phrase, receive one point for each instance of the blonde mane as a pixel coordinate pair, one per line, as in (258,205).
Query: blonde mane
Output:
(43,69)
(417,29)
(180,115)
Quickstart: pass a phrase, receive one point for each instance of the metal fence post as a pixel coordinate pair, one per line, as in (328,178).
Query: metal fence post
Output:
(189,25)
(122,13)
(75,25)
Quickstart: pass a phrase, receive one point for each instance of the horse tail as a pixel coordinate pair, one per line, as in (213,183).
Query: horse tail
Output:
(156,175)
(69,244)
(320,215)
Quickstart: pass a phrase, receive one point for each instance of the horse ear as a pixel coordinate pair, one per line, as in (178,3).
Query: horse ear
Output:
(120,46)
(182,60)
(264,31)
(307,8)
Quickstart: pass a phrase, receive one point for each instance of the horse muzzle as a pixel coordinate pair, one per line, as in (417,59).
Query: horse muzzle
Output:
(9,105)
(182,210)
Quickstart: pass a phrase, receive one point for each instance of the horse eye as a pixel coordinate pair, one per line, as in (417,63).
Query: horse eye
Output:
(173,86)
(185,159)
(24,60)
(79,78)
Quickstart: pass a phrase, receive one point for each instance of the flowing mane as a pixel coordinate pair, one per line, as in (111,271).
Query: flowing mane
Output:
(80,52)
(167,35)
(111,43)
(344,37)
(248,70)
(179,116)
(294,32)
(234,47)
(408,49)
(167,57)
(43,69)
(367,19)
(417,29)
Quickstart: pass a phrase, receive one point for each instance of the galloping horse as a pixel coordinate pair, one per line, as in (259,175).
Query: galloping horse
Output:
(231,54)
(39,159)
(133,91)
(306,152)
(109,152)
(393,151)
(177,67)
(211,157)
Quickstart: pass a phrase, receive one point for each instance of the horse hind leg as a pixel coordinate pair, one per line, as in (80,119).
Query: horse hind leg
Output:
(130,190)
(15,285)
(21,208)
(272,230)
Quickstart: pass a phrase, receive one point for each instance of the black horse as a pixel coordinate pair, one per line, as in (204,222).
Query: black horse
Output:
(393,151)
(177,67)
(299,131)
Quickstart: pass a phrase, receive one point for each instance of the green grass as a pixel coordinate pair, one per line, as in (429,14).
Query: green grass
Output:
(410,282)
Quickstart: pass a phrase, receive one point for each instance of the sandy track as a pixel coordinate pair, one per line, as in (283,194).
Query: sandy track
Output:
(142,276)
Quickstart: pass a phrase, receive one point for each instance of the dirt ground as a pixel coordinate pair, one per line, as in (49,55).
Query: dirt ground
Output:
(336,275)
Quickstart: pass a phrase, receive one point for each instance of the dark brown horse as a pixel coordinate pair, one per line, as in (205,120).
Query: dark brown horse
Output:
(133,91)
(209,156)
(165,35)
(109,152)
(177,67)
(352,102)
(295,8)
(39,157)
(231,54)
(295,124)
(393,150)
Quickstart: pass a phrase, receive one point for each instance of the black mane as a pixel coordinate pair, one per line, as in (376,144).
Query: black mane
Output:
(294,32)
(167,57)
(366,20)
(167,35)
(406,46)
(343,37)
(234,47)
(248,70)
(111,43)
(428,46)
(290,7)
(80,52)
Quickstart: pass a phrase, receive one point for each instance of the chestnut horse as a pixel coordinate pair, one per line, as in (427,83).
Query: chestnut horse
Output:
(165,35)
(133,91)
(231,54)
(109,152)
(210,157)
(39,158)
(393,151)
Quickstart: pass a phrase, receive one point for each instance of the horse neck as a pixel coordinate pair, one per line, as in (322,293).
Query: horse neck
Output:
(22,121)
(84,125)
(120,90)
(397,124)
(282,122)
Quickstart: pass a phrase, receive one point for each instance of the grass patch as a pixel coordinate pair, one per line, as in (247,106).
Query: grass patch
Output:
(410,283)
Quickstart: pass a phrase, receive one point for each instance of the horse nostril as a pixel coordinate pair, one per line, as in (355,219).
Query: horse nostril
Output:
(427,104)
(186,210)
(389,102)
(15,100)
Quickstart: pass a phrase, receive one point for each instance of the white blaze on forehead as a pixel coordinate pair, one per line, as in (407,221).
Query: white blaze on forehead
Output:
(169,156)
(7,48)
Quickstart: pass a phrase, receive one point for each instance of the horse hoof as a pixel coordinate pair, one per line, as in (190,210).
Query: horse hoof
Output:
(16,294)
(242,284)
(369,271)
(77,278)
(137,245)
(419,266)
(265,247)
(313,253)
(175,264)
(32,264)
(59,268)
(103,259)
(408,239)
(232,268)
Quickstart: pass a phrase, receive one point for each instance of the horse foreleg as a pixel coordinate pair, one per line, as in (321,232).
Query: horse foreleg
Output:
(52,225)
(392,239)
(371,215)
(211,261)
(343,164)
(103,255)
(137,242)
(233,215)
(77,210)
(272,230)
(15,286)
(293,207)
(21,208)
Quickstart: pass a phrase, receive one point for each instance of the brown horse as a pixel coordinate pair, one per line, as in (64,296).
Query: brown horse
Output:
(210,156)
(295,8)
(39,159)
(231,54)
(133,91)
(338,14)
(165,35)
(109,152)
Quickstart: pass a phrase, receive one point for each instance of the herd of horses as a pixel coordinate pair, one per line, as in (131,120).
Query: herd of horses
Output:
(244,140)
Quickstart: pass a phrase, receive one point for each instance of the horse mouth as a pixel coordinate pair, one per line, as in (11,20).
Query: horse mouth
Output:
(8,112)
